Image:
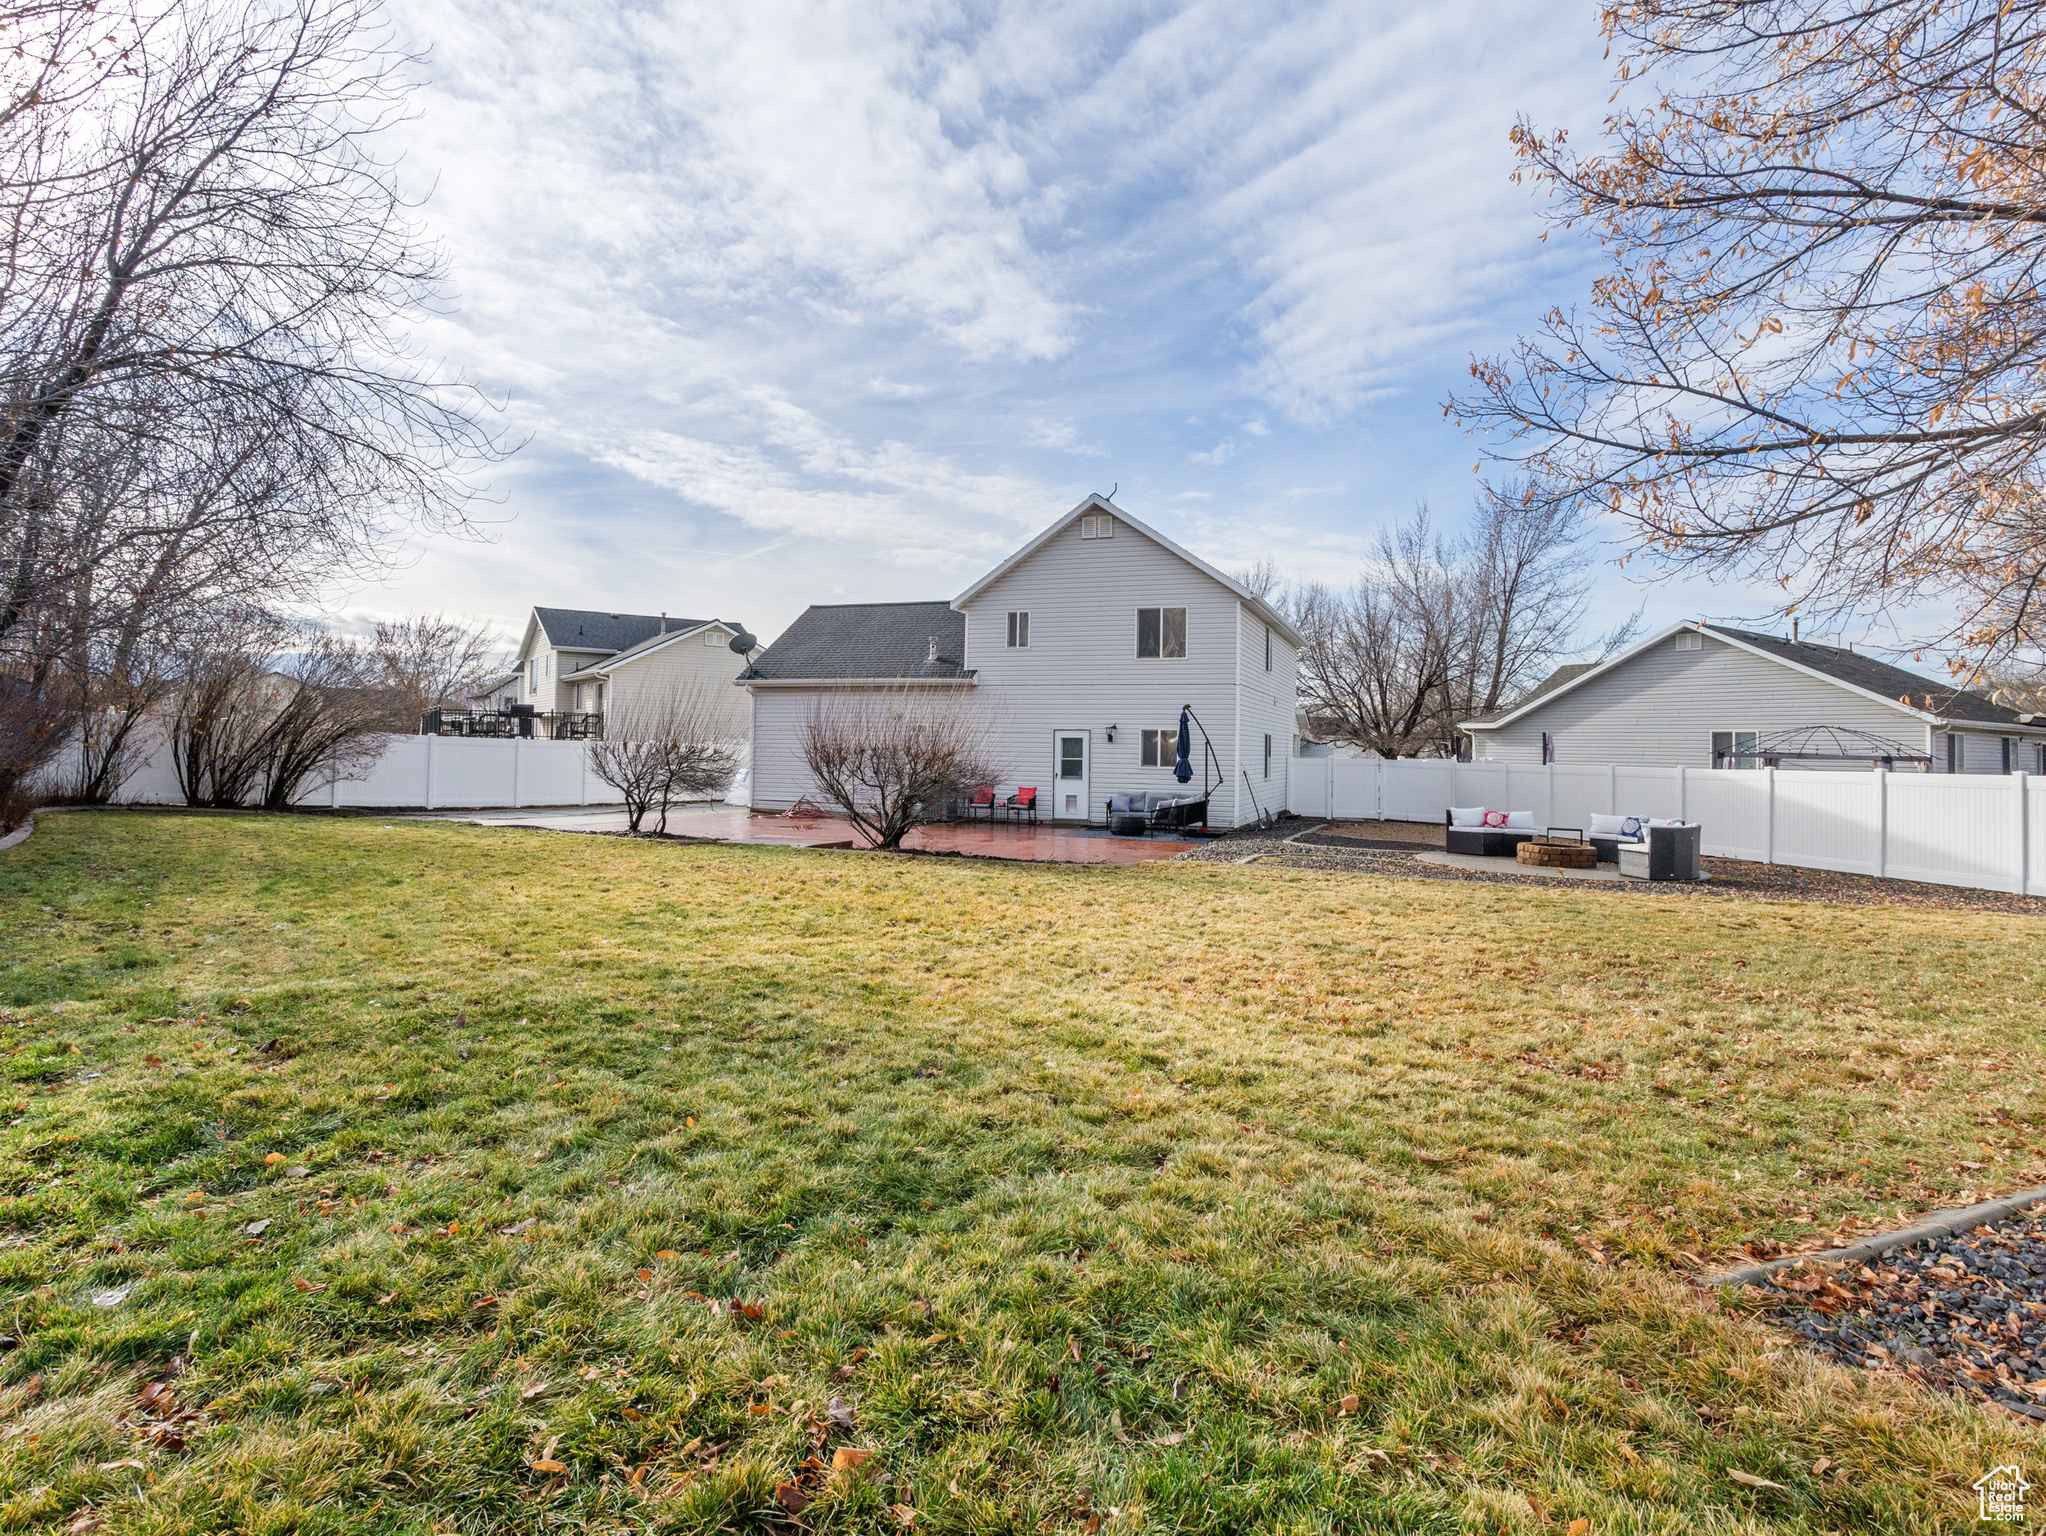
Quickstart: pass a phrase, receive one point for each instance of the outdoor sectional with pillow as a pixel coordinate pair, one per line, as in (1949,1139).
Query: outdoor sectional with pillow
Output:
(1609,834)
(1487,834)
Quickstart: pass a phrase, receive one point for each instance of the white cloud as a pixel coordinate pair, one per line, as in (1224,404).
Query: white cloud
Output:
(1221,453)
(1063,436)
(888,389)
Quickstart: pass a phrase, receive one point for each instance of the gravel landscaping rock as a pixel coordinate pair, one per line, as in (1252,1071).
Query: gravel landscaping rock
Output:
(1966,1314)
(1388,848)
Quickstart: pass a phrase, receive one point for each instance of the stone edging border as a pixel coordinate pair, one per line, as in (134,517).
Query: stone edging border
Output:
(18,836)
(1938,1224)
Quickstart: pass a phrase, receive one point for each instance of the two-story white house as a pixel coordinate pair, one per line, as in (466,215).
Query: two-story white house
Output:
(1079,651)
(575,666)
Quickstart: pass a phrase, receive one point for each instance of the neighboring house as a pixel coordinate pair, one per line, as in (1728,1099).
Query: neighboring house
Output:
(1079,650)
(1699,694)
(498,693)
(575,666)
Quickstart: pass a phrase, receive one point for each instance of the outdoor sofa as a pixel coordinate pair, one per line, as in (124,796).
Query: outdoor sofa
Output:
(1466,831)
(1140,812)
(1654,848)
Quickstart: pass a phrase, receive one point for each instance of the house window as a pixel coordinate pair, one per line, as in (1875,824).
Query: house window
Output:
(2010,754)
(1690,640)
(532,674)
(600,698)
(550,663)
(714,637)
(2039,758)
(1097,527)
(1161,632)
(1019,631)
(1734,749)
(1268,647)
(1957,754)
(1160,748)
(1548,748)
(1268,755)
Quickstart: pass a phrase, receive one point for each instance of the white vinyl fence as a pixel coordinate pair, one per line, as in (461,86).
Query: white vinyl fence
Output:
(1947,829)
(422,772)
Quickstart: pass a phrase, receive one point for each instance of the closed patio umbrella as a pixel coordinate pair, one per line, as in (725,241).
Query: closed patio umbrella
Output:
(1183,769)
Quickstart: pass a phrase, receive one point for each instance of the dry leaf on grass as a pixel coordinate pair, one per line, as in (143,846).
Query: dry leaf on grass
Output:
(840,1413)
(387,1298)
(791,1498)
(115,1466)
(84,1525)
(667,1253)
(306,1285)
(481,1302)
(537,1389)
(1579,1527)
(848,1458)
(1347,1406)
(904,1515)
(1749,1480)
(1172,1439)
(273,1159)
(631,1415)
(257,1228)
(547,1465)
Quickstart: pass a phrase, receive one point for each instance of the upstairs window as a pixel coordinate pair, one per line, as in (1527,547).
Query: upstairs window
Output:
(714,637)
(1019,631)
(532,674)
(1161,748)
(1691,640)
(1161,632)
(1097,526)
(1268,655)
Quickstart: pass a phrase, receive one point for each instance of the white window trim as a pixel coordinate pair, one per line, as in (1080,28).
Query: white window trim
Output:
(1137,633)
(1736,735)
(1016,637)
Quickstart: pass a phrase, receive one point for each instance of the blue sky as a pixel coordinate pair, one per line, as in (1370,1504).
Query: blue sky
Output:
(841,302)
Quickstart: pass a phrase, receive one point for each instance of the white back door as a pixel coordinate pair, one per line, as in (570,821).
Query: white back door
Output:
(1069,764)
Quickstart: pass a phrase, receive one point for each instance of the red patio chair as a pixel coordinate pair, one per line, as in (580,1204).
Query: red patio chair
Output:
(1022,805)
(983,801)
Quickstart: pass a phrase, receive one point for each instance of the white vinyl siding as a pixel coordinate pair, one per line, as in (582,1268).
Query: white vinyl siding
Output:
(1662,706)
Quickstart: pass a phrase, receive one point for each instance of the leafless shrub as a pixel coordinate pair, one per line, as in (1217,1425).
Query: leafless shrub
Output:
(252,721)
(894,759)
(34,727)
(661,749)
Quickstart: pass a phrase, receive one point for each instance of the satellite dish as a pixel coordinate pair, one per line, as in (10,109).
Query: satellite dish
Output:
(742,642)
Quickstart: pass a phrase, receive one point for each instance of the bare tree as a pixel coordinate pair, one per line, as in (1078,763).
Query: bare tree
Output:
(208,269)
(431,661)
(1377,663)
(662,748)
(1260,576)
(895,759)
(1817,348)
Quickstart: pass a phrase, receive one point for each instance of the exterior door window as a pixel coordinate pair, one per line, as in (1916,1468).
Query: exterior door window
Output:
(1161,632)
(1734,749)
(1019,631)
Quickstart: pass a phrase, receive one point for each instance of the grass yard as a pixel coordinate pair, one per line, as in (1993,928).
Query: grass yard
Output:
(583,1175)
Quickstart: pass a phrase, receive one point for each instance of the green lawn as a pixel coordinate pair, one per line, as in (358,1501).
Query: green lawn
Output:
(593,1171)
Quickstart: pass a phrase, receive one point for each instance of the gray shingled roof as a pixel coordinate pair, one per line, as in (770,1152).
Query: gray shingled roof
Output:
(857,640)
(1549,684)
(1942,699)
(585,629)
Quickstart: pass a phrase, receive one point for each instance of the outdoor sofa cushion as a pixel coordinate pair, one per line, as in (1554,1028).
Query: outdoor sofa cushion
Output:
(1607,826)
(1520,821)
(1468,816)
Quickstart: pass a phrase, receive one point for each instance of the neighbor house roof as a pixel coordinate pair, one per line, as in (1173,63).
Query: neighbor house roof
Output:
(1935,703)
(678,629)
(857,641)
(586,629)
(1099,503)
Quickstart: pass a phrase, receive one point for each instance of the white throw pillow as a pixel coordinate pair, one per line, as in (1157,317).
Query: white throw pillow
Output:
(1607,826)
(1520,821)
(1472,816)
(1665,821)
